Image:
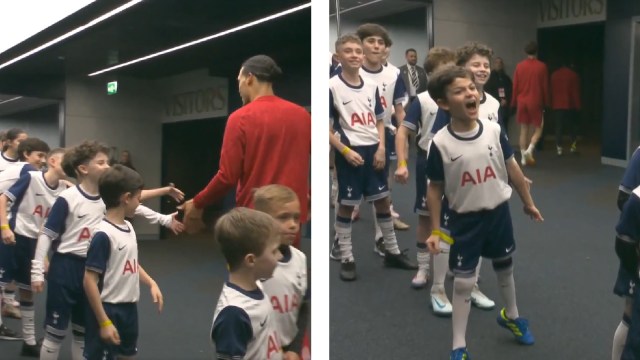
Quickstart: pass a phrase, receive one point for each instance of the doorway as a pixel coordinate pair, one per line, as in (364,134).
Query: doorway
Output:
(583,45)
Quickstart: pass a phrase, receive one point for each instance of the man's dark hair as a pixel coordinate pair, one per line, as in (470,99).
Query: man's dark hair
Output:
(115,182)
(531,48)
(410,50)
(262,67)
(30,145)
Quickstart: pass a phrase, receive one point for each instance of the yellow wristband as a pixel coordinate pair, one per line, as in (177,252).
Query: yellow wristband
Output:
(436,232)
(106,323)
(345,150)
(402,163)
(5,227)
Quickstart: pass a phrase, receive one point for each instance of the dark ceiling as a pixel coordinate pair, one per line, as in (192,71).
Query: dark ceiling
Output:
(155,25)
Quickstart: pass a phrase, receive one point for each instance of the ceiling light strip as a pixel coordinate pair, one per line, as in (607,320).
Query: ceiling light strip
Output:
(238,28)
(72,32)
(9,100)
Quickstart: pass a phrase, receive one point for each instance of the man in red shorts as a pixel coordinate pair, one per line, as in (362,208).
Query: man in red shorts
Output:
(530,97)
(267,141)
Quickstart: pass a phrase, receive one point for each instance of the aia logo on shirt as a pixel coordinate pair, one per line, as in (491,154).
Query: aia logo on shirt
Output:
(383,102)
(41,211)
(131,266)
(362,119)
(273,345)
(85,235)
(468,177)
(286,303)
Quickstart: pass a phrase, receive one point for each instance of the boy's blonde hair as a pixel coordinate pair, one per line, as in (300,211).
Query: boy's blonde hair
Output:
(347,38)
(266,198)
(244,231)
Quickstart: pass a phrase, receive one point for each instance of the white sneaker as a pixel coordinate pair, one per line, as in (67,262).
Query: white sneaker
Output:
(559,150)
(480,300)
(420,280)
(440,303)
(523,160)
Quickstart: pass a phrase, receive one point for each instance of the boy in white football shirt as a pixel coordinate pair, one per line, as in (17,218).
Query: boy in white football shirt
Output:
(287,289)
(356,115)
(31,198)
(244,325)
(74,215)
(113,272)
(471,162)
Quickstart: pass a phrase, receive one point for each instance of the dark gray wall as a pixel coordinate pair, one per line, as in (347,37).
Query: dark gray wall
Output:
(617,52)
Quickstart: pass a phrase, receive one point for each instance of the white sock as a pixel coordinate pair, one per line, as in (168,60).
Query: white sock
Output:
(478,269)
(423,258)
(461,304)
(77,348)
(619,340)
(343,230)
(531,148)
(440,267)
(376,226)
(508,291)
(50,349)
(388,233)
(28,323)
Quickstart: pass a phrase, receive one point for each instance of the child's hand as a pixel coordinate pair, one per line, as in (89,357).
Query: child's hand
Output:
(290,355)
(402,174)
(353,158)
(37,286)
(433,244)
(109,334)
(8,237)
(533,213)
(175,226)
(379,159)
(156,295)
(175,193)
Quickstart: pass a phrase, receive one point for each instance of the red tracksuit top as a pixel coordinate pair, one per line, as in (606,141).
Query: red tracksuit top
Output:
(267,141)
(565,89)
(531,84)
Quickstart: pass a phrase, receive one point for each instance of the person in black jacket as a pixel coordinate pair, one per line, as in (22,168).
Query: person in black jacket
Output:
(500,86)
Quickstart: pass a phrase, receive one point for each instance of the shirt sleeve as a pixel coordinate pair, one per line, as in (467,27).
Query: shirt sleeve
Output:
(442,120)
(631,177)
(378,107)
(153,217)
(435,165)
(55,224)
(400,90)
(507,150)
(413,115)
(99,252)
(26,168)
(231,163)
(17,190)
(231,333)
(332,109)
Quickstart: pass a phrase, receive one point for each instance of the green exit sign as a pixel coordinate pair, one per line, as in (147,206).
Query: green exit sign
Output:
(112,87)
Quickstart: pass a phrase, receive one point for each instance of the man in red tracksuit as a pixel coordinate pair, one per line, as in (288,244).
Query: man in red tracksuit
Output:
(267,141)
(565,103)
(530,97)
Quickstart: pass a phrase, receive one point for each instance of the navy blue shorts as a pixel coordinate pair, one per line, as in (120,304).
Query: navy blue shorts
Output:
(390,144)
(66,299)
(362,181)
(24,253)
(625,285)
(420,206)
(486,233)
(125,319)
(7,263)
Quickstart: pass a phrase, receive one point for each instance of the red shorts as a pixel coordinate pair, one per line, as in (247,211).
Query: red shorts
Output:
(529,114)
